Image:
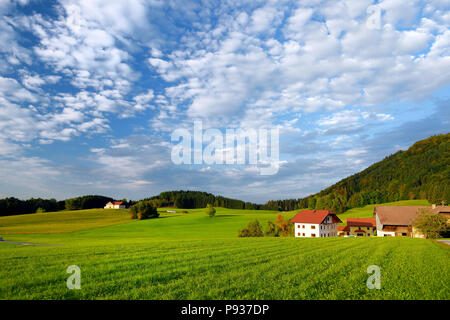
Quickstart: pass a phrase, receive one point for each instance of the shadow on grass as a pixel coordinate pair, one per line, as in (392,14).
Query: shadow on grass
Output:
(227,215)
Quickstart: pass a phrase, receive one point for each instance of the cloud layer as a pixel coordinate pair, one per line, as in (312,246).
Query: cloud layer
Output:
(91,90)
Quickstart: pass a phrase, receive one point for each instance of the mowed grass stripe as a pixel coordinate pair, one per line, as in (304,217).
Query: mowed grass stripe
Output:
(141,261)
(192,256)
(281,274)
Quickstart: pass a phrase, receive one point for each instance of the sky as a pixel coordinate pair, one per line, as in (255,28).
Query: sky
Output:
(91,91)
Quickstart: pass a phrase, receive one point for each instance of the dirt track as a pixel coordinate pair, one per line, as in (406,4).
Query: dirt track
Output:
(30,243)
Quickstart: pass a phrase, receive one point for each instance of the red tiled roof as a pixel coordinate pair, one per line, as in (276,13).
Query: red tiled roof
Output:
(359,230)
(314,216)
(343,228)
(117,203)
(361,222)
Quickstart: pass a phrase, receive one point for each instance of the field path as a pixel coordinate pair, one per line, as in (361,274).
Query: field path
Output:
(447,242)
(30,243)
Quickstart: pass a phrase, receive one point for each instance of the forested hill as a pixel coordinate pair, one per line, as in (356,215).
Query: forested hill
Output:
(198,199)
(421,172)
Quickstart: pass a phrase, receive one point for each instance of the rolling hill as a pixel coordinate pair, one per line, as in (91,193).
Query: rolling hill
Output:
(421,172)
(193,256)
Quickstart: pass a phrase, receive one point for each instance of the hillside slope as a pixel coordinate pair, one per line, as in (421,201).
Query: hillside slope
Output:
(421,172)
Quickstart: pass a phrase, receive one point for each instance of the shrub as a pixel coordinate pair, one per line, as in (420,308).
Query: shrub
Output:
(253,230)
(40,210)
(430,224)
(143,210)
(286,228)
(272,230)
(210,211)
(133,212)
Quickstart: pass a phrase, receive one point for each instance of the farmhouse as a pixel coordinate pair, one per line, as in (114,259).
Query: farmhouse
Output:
(343,231)
(442,210)
(396,221)
(315,223)
(360,227)
(115,205)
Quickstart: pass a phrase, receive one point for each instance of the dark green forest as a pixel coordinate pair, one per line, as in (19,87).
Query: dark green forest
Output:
(13,206)
(421,172)
(198,199)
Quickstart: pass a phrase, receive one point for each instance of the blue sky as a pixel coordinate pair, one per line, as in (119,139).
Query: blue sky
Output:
(90,91)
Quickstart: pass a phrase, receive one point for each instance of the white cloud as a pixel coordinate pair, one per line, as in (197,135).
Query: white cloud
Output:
(142,100)
(16,123)
(323,64)
(10,89)
(264,19)
(310,69)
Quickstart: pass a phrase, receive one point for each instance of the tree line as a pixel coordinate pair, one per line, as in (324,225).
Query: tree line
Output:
(198,199)
(14,206)
(421,172)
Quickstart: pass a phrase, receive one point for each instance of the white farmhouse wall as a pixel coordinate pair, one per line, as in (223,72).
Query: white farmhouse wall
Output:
(325,229)
(385,233)
(114,206)
(380,232)
(308,229)
(109,205)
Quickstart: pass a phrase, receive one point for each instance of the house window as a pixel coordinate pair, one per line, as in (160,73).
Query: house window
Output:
(313,235)
(368,228)
(404,234)
(298,234)
(313,227)
(303,234)
(303,226)
(298,226)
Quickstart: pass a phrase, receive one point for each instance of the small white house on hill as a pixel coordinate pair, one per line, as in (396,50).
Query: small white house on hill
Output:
(315,223)
(115,205)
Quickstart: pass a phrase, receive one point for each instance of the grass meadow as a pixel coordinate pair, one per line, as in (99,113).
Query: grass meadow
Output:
(192,256)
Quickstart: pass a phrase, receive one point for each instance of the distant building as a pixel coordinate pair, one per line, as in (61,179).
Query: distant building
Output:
(396,221)
(359,227)
(115,205)
(315,223)
(343,231)
(362,227)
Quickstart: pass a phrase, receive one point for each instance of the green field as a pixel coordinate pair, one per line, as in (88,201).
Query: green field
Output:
(62,221)
(192,256)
